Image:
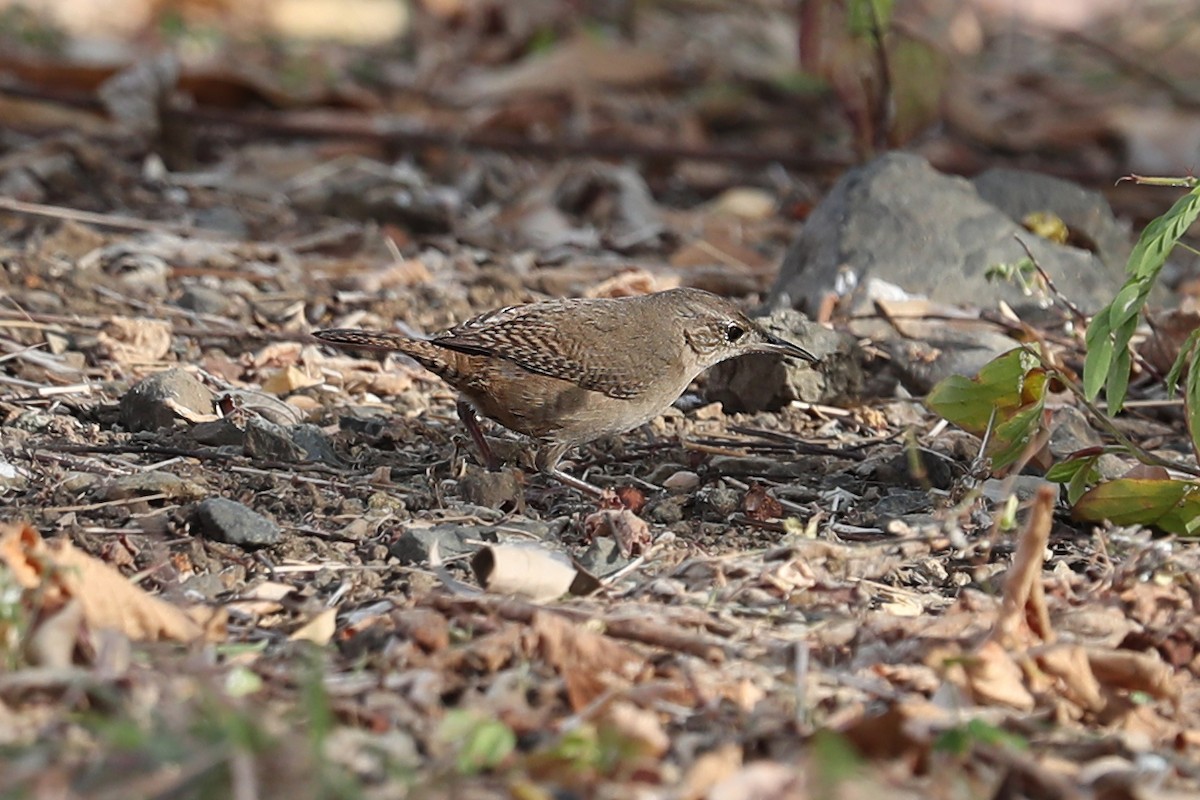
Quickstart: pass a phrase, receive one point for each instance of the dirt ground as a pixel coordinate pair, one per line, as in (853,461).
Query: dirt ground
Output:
(826,600)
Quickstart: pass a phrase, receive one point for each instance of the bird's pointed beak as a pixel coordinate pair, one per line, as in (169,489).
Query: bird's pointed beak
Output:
(774,344)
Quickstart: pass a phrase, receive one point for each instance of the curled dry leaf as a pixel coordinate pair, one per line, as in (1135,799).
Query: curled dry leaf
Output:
(129,340)
(1077,682)
(760,506)
(1135,672)
(318,630)
(60,573)
(710,769)
(631,498)
(288,380)
(626,284)
(768,779)
(631,532)
(640,727)
(994,677)
(590,664)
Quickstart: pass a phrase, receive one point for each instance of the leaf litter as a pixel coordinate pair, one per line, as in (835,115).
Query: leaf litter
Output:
(810,602)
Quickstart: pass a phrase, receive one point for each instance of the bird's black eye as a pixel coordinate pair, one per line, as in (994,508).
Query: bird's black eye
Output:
(734,332)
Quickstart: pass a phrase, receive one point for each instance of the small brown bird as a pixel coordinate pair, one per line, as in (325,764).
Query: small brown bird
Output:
(567,372)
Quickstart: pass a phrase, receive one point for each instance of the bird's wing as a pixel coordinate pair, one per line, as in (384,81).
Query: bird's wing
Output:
(531,337)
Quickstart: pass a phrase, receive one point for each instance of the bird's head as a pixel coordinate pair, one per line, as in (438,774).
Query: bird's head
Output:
(716,330)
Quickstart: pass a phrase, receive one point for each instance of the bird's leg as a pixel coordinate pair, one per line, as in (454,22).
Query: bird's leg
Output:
(547,460)
(470,420)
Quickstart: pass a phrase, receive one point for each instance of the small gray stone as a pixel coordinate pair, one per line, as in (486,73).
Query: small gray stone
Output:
(204,300)
(222,218)
(414,544)
(148,405)
(940,350)
(218,433)
(314,444)
(270,442)
(1070,432)
(224,520)
(718,501)
(603,557)
(666,510)
(490,489)
(76,483)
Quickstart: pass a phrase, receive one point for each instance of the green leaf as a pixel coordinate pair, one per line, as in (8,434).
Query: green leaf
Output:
(1078,472)
(1160,236)
(1185,355)
(1118,381)
(970,402)
(864,16)
(1082,480)
(1127,303)
(1108,361)
(1008,394)
(1065,470)
(1191,399)
(1183,519)
(482,742)
(1011,437)
(1141,501)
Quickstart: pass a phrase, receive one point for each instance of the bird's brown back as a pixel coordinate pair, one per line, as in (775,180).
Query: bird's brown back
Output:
(600,345)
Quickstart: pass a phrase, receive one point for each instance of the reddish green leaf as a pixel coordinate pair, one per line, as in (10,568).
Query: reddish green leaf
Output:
(1142,501)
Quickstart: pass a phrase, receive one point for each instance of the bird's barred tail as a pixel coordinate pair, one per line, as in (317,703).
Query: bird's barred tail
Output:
(428,355)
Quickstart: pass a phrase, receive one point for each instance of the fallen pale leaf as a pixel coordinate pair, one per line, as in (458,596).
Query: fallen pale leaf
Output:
(288,380)
(589,663)
(136,341)
(60,573)
(318,630)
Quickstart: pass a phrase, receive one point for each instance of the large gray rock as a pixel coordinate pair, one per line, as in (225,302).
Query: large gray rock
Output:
(1088,216)
(899,220)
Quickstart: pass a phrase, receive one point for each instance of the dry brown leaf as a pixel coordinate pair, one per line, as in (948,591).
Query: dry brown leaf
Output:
(767,780)
(408,272)
(265,598)
(710,769)
(318,630)
(575,64)
(1170,331)
(1135,672)
(589,663)
(994,678)
(52,643)
(640,726)
(429,629)
(276,354)
(759,505)
(631,532)
(60,573)
(744,202)
(288,380)
(129,340)
(1069,663)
